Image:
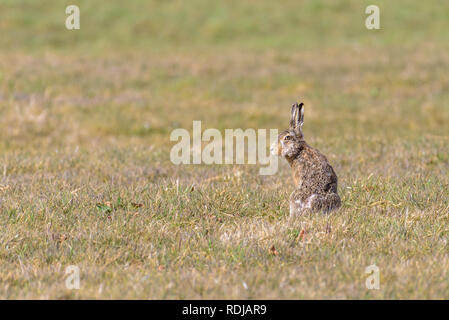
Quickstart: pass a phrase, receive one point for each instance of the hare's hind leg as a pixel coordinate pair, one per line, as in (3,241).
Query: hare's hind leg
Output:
(313,203)
(325,203)
(334,201)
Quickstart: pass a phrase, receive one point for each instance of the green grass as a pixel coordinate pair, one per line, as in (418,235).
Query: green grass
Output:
(85,175)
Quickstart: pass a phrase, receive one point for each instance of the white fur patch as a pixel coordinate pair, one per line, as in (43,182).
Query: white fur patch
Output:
(308,204)
(297,206)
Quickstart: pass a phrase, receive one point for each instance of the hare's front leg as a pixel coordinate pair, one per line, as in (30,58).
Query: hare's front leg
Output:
(295,208)
(296,205)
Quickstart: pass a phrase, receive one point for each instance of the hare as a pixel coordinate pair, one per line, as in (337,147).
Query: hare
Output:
(314,177)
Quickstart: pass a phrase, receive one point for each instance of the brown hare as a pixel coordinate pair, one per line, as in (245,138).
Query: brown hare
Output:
(315,179)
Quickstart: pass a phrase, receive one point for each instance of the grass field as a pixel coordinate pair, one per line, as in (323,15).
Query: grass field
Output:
(86,178)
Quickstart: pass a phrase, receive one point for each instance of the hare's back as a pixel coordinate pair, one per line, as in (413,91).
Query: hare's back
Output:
(317,175)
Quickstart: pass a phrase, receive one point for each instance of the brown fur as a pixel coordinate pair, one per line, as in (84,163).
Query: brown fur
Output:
(314,177)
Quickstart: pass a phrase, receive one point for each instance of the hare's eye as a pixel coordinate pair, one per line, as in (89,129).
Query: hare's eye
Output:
(287,137)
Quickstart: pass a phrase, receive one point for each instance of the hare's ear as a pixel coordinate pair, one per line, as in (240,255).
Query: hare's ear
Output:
(299,120)
(297,117)
(293,116)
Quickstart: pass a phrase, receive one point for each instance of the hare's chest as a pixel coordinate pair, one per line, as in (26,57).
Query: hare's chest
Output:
(303,174)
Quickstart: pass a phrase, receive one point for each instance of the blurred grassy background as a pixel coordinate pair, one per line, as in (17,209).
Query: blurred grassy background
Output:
(175,25)
(85,176)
